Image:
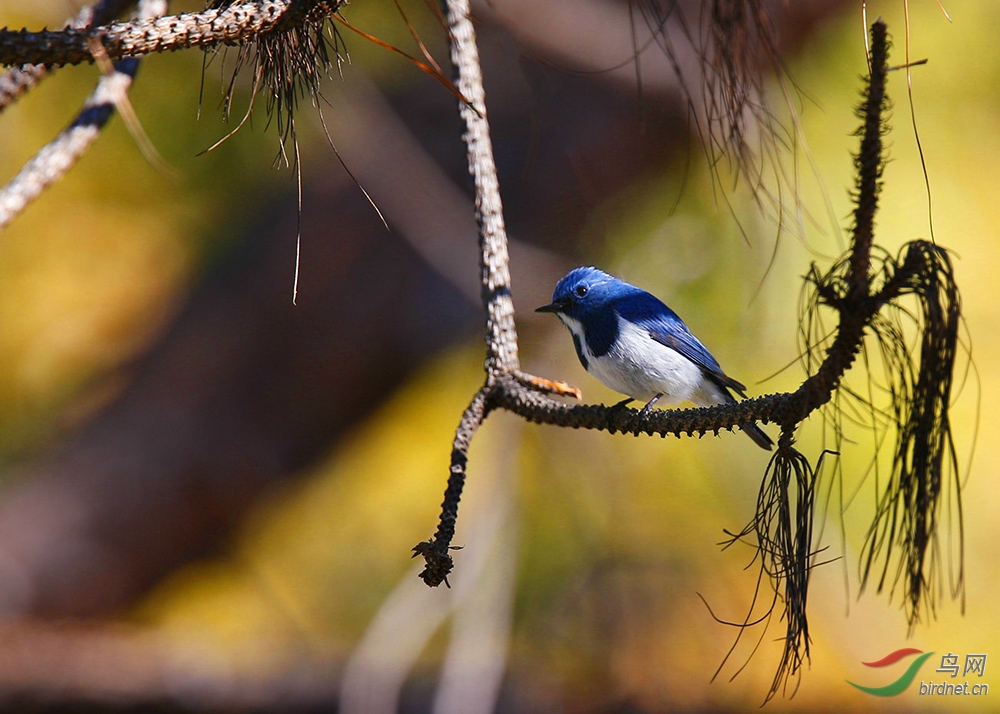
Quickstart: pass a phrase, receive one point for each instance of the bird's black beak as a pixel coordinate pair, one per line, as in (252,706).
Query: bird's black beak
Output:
(551,307)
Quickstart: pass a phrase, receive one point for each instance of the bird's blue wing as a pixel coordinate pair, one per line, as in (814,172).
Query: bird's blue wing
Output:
(668,329)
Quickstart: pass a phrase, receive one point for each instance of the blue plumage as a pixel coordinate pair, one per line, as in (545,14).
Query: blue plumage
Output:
(636,345)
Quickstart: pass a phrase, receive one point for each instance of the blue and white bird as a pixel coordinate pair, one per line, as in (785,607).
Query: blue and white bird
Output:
(634,344)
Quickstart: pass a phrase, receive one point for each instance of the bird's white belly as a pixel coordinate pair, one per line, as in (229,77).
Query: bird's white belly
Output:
(641,367)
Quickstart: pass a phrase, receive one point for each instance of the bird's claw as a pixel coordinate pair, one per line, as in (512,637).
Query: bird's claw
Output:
(644,412)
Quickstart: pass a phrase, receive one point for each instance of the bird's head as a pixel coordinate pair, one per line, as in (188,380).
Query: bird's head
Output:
(584,291)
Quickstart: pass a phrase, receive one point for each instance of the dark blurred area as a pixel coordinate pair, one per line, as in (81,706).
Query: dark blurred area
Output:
(244,389)
(240,394)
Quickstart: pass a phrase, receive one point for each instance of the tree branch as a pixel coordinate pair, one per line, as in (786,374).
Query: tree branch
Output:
(230,25)
(783,530)
(501,333)
(435,551)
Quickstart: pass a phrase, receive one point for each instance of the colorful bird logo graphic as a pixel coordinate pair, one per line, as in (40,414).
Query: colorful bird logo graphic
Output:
(891,690)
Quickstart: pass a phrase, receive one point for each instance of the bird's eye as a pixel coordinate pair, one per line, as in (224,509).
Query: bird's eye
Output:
(581,290)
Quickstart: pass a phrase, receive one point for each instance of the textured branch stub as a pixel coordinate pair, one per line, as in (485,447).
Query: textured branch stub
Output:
(438,562)
(435,551)
(869,162)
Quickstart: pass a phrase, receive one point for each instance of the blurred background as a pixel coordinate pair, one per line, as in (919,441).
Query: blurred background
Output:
(209,495)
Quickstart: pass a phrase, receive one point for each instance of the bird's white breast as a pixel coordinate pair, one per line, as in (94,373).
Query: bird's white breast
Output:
(641,367)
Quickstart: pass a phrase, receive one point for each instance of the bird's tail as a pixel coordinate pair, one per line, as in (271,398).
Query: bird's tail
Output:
(759,437)
(752,430)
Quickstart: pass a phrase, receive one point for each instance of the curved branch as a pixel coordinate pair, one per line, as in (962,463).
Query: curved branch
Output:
(435,551)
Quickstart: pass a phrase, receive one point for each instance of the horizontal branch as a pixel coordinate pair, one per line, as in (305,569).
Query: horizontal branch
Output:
(231,25)
(523,395)
(785,409)
(511,394)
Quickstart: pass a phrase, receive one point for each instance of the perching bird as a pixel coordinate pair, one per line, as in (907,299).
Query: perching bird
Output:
(638,346)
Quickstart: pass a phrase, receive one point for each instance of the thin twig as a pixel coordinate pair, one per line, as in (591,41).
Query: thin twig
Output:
(435,551)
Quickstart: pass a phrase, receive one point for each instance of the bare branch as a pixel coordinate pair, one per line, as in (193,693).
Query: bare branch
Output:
(501,333)
(868,164)
(231,25)
(435,551)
